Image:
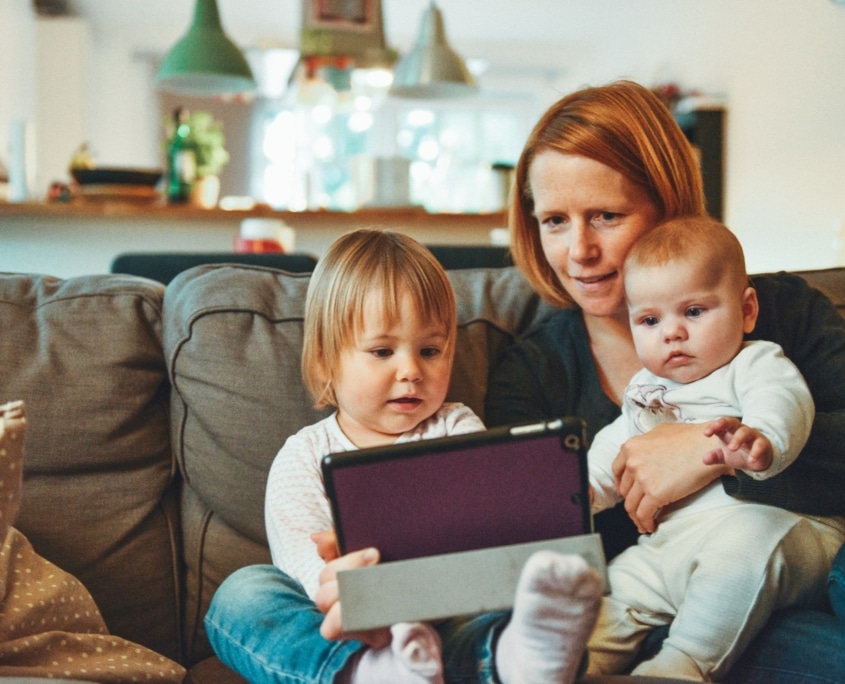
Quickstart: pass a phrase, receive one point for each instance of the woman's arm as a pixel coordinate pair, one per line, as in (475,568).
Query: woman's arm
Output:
(812,333)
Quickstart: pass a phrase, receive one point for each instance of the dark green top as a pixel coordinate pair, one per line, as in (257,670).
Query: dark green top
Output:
(550,372)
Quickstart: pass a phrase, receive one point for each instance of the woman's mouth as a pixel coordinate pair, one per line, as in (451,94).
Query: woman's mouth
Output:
(588,283)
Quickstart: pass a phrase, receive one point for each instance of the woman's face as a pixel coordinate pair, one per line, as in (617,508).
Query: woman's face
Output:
(589,216)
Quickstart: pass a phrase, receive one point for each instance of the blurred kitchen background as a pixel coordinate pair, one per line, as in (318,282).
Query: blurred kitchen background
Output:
(82,71)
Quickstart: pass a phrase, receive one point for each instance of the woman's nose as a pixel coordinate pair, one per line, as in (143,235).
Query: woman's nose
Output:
(582,247)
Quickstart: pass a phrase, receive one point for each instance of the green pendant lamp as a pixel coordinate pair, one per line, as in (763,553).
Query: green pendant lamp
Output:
(432,69)
(205,62)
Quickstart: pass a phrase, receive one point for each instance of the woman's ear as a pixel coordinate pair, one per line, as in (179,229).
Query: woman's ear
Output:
(750,309)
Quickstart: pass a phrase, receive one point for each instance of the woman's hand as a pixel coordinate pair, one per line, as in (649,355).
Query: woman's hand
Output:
(328,598)
(662,466)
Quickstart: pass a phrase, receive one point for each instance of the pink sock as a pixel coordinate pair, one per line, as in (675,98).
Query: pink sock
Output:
(413,657)
(555,608)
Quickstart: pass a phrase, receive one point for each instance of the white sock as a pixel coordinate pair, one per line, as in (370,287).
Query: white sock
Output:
(555,608)
(413,657)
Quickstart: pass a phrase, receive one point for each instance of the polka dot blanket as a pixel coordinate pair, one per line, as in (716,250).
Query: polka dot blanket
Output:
(50,626)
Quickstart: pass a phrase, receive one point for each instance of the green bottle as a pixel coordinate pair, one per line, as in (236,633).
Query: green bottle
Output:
(181,160)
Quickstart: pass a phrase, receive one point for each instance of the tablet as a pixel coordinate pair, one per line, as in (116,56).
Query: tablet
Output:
(504,486)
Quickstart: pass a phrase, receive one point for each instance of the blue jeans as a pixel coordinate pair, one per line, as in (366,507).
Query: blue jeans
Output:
(836,586)
(262,624)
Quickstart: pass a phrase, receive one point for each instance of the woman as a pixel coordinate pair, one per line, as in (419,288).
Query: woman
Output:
(602,167)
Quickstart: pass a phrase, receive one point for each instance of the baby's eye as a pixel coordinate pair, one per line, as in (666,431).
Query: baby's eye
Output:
(695,311)
(650,321)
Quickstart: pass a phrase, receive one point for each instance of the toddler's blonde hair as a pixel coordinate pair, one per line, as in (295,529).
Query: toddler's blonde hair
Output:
(356,265)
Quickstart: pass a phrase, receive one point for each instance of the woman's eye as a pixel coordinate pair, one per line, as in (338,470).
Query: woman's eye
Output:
(607,217)
(553,222)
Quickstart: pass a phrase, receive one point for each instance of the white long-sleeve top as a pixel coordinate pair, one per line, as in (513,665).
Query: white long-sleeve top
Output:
(760,386)
(296,505)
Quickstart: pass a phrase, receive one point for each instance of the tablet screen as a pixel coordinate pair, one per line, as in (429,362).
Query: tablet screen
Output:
(504,486)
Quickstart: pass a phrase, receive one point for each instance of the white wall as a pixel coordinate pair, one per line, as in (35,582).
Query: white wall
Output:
(17,70)
(779,63)
(62,59)
(17,64)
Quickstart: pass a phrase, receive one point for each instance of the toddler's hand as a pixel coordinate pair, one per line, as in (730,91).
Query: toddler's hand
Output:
(328,599)
(326,542)
(741,447)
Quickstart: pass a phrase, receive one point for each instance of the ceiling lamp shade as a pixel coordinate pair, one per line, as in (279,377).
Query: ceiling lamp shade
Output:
(346,29)
(205,62)
(432,69)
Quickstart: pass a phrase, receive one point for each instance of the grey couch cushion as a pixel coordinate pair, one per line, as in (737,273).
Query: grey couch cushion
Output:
(233,339)
(232,343)
(85,354)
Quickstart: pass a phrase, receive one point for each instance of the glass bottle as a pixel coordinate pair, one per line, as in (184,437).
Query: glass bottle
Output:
(181,160)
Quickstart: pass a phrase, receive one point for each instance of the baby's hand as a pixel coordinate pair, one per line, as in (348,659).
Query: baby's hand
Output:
(741,446)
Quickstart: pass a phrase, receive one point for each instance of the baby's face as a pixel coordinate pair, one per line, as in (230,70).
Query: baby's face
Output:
(685,322)
(395,374)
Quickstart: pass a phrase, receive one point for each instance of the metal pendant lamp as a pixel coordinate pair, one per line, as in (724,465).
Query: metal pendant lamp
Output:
(205,62)
(432,69)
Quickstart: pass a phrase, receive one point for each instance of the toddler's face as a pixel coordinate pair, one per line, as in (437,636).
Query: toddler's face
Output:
(394,376)
(685,323)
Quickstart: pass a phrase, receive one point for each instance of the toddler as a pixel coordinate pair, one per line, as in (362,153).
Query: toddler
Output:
(379,341)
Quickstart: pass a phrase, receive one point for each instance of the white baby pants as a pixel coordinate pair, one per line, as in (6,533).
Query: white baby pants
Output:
(716,576)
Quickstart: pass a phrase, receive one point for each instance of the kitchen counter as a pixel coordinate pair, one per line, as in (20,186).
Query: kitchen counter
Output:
(68,239)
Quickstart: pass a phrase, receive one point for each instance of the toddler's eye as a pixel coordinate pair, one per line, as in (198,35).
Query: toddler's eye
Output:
(381,353)
(695,311)
(650,321)
(430,352)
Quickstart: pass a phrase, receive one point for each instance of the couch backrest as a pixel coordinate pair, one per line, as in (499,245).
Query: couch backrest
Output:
(85,354)
(233,338)
(831,281)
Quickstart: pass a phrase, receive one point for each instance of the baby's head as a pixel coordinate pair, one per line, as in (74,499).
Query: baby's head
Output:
(361,269)
(689,298)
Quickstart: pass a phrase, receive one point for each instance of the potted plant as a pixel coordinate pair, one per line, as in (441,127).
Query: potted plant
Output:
(201,136)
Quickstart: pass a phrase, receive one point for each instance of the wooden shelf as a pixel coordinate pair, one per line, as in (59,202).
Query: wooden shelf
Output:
(382,216)
(77,238)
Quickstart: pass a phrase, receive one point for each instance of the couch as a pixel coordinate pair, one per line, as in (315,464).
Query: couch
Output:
(154,414)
